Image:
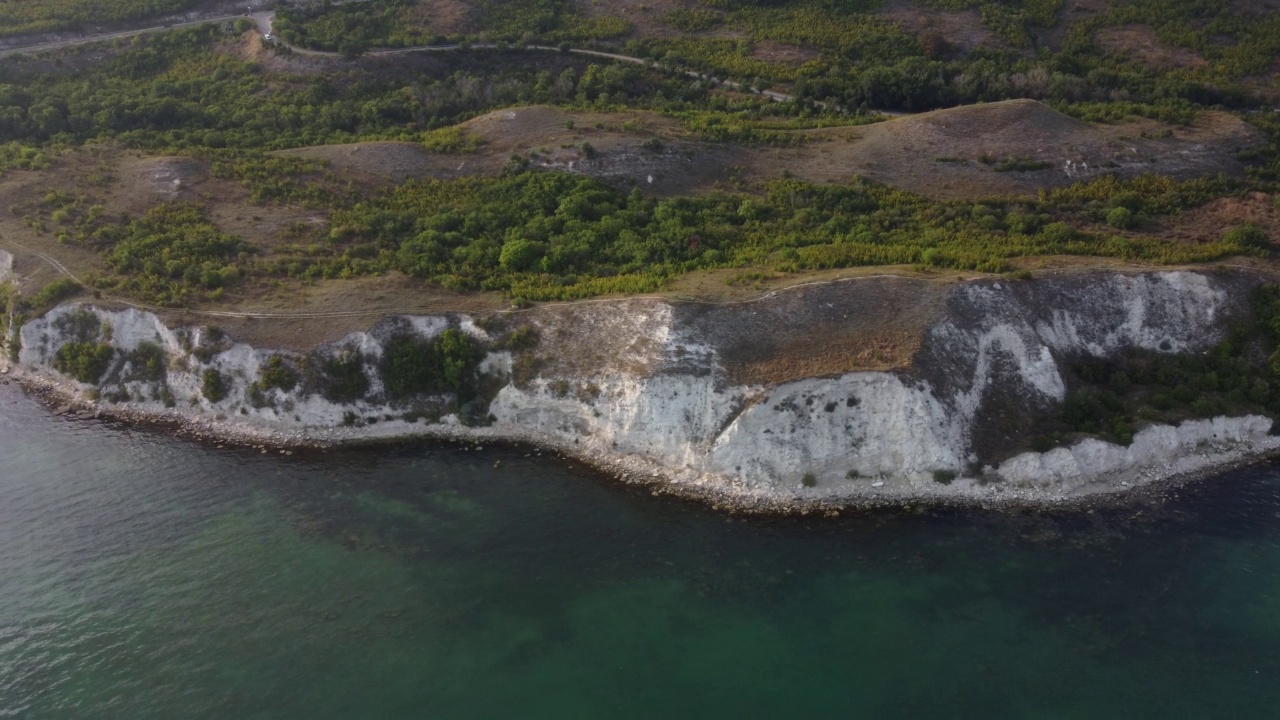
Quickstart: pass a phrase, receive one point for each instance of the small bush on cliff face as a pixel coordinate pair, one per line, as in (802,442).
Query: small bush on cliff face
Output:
(944,477)
(146,363)
(84,361)
(523,338)
(445,364)
(8,299)
(80,325)
(213,386)
(277,374)
(341,378)
(809,480)
(1112,398)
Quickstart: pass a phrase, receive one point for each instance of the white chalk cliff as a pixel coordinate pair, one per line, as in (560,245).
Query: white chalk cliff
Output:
(645,386)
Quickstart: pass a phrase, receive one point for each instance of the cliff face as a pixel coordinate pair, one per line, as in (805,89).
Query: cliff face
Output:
(870,389)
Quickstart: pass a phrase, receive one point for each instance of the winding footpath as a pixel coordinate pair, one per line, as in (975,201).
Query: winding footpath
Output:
(265,22)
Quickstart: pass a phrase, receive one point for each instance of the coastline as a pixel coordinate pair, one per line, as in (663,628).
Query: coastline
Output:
(754,409)
(1149,482)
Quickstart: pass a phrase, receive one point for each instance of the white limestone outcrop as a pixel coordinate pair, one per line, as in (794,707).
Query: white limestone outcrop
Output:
(663,404)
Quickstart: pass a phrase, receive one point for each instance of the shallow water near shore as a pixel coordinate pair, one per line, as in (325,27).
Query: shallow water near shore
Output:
(143,576)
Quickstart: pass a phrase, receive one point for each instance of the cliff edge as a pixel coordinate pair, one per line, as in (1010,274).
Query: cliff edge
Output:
(853,392)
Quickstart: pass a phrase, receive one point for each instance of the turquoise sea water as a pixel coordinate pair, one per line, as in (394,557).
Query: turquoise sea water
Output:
(147,577)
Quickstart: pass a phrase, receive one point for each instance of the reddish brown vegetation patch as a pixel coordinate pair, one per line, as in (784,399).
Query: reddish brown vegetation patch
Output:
(1140,42)
(941,29)
(446,17)
(956,153)
(1209,222)
(819,330)
(781,53)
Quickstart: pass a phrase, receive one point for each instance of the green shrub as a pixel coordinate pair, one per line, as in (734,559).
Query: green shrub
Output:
(55,292)
(692,20)
(1059,232)
(523,338)
(81,325)
(87,362)
(1121,218)
(1020,164)
(944,477)
(520,255)
(445,364)
(146,362)
(809,480)
(341,377)
(450,140)
(172,254)
(277,373)
(1248,235)
(213,385)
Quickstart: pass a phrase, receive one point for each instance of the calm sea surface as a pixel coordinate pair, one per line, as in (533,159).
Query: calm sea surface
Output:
(146,577)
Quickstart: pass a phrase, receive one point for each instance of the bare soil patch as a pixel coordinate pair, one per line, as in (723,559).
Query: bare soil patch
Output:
(384,162)
(1254,7)
(953,153)
(1208,222)
(1140,43)
(552,139)
(622,150)
(372,298)
(873,323)
(1073,11)
(782,53)
(141,182)
(622,339)
(124,182)
(446,17)
(645,16)
(957,153)
(962,30)
(21,195)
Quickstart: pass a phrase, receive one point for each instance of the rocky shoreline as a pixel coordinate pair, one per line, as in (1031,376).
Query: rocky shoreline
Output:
(1154,483)
(756,407)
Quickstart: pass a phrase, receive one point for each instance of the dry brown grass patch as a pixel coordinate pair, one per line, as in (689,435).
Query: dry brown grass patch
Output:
(1140,43)
(782,53)
(1207,223)
(962,30)
(445,17)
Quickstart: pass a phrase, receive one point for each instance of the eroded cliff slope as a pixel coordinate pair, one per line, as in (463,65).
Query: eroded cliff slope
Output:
(852,391)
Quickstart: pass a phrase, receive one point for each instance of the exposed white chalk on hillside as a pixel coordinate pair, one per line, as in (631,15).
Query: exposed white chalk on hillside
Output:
(663,404)
(6,266)
(1093,461)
